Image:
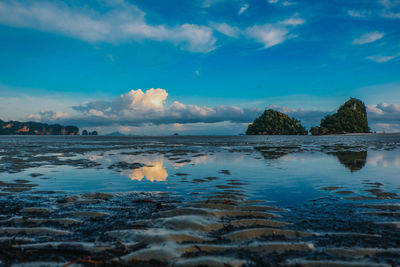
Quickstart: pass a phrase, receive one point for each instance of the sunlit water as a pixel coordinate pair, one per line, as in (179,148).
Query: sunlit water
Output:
(287,170)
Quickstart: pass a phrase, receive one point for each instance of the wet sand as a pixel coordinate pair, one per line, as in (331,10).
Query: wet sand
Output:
(223,228)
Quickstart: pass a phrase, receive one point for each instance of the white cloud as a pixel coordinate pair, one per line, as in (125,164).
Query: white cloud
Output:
(137,107)
(122,22)
(147,112)
(243,9)
(390,9)
(391,15)
(385,127)
(385,111)
(226,29)
(387,9)
(368,38)
(273,34)
(49,115)
(284,3)
(209,3)
(267,34)
(384,117)
(382,59)
(357,13)
(292,21)
(287,3)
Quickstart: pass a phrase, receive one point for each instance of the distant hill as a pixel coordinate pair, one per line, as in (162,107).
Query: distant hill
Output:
(351,117)
(35,128)
(273,122)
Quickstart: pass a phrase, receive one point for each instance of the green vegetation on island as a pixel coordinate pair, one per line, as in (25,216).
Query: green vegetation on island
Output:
(273,122)
(35,128)
(351,117)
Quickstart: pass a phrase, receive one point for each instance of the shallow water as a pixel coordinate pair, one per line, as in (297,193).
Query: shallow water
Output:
(288,170)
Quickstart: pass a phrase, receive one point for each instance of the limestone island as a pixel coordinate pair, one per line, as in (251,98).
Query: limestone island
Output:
(273,122)
(35,128)
(351,117)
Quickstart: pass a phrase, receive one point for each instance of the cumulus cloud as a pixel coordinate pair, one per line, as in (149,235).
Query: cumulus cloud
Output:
(130,111)
(121,22)
(273,34)
(368,38)
(137,107)
(384,112)
(384,117)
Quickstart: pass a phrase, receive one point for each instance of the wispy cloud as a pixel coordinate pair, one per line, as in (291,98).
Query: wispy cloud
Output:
(288,3)
(382,59)
(121,22)
(358,13)
(267,34)
(384,9)
(273,34)
(209,3)
(368,38)
(283,3)
(243,9)
(226,29)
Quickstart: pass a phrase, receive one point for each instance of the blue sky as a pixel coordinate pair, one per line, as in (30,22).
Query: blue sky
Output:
(216,63)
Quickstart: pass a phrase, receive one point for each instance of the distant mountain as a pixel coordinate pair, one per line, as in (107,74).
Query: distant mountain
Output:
(351,117)
(273,122)
(35,128)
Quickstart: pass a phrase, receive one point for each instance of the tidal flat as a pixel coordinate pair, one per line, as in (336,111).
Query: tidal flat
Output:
(200,200)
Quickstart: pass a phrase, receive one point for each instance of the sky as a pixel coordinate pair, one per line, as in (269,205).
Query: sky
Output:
(197,67)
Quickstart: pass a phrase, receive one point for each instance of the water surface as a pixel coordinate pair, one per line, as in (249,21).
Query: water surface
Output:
(288,170)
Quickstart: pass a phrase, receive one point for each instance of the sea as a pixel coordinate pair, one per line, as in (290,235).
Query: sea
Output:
(285,170)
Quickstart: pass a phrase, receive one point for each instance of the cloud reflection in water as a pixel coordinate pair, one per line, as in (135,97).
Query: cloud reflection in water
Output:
(155,172)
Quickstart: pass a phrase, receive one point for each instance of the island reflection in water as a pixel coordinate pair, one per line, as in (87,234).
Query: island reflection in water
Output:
(352,160)
(156,169)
